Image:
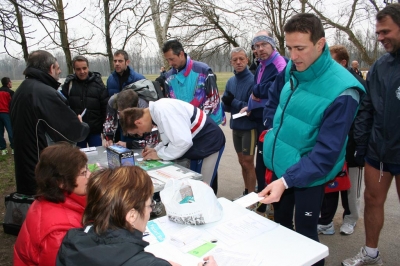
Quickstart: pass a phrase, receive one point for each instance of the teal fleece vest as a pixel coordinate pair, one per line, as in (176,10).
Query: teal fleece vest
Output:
(300,111)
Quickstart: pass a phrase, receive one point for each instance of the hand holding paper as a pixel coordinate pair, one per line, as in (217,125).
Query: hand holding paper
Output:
(249,199)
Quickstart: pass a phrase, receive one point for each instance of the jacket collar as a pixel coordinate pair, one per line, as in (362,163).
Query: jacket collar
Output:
(34,73)
(270,59)
(242,74)
(316,69)
(186,70)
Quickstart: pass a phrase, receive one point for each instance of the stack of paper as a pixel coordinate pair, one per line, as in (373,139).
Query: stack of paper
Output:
(89,151)
(169,172)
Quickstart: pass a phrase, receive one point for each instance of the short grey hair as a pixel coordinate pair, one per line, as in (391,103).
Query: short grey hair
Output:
(237,50)
(41,60)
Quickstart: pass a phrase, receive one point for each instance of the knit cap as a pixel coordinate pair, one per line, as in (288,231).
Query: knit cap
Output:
(264,38)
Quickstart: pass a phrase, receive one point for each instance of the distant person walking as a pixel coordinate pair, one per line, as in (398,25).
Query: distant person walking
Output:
(5,98)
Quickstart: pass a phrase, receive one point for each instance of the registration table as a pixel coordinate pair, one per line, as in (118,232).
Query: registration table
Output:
(99,156)
(241,237)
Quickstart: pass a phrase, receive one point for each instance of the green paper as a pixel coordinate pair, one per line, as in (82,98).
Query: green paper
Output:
(92,167)
(201,250)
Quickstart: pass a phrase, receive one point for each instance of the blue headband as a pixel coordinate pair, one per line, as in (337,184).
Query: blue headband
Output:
(264,38)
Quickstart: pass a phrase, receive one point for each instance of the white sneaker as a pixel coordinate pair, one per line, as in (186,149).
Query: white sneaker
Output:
(4,152)
(363,259)
(326,229)
(347,229)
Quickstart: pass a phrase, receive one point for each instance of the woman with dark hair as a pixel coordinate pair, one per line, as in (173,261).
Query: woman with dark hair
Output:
(117,211)
(61,176)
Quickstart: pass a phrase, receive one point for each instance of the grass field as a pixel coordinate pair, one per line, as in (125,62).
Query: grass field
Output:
(222,78)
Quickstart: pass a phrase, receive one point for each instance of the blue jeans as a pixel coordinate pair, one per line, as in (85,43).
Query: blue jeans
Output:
(5,122)
(92,140)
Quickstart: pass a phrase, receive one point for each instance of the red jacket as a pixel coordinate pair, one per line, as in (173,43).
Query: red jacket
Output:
(44,229)
(5,99)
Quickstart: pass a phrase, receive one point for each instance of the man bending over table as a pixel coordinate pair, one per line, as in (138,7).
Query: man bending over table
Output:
(186,132)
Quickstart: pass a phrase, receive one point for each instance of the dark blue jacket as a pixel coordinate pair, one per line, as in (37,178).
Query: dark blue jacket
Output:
(113,81)
(377,125)
(240,86)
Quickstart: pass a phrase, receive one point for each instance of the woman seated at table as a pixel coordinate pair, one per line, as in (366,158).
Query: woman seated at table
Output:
(61,176)
(118,209)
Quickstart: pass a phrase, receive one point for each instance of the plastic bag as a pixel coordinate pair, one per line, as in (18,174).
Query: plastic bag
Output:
(189,201)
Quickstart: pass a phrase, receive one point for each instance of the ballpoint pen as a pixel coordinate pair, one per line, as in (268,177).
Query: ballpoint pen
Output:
(83,113)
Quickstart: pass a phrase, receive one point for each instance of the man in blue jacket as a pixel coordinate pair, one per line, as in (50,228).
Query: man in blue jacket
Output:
(271,64)
(306,146)
(376,134)
(123,74)
(237,92)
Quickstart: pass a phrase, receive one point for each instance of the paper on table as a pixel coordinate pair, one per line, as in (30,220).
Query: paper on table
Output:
(185,236)
(234,258)
(245,227)
(239,115)
(169,172)
(248,199)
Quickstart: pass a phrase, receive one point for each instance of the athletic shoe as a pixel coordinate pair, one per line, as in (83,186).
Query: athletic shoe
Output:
(4,152)
(347,229)
(363,259)
(326,229)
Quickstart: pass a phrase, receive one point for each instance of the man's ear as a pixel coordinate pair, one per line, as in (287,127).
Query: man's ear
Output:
(321,44)
(138,122)
(52,67)
(128,62)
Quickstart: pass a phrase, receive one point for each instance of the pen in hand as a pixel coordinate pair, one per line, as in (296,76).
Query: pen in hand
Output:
(83,113)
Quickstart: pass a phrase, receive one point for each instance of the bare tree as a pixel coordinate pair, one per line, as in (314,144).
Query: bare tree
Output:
(162,9)
(274,14)
(122,20)
(207,28)
(50,14)
(352,14)
(12,27)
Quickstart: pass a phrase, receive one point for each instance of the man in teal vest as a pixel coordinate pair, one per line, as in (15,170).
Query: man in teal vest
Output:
(306,145)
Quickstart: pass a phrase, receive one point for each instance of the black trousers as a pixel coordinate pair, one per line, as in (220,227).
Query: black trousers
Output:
(306,204)
(260,167)
(330,204)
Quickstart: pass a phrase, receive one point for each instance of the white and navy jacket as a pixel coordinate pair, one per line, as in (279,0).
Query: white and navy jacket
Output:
(185,131)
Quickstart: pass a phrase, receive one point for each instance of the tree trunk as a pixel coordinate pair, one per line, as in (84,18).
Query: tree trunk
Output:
(64,35)
(107,34)
(159,29)
(21,30)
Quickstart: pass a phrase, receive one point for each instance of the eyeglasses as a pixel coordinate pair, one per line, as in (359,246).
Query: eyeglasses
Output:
(263,45)
(84,173)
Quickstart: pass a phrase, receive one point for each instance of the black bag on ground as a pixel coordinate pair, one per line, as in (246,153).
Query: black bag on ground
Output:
(17,206)
(146,89)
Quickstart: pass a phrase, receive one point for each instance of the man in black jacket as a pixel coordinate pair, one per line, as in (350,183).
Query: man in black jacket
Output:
(40,116)
(376,134)
(88,96)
